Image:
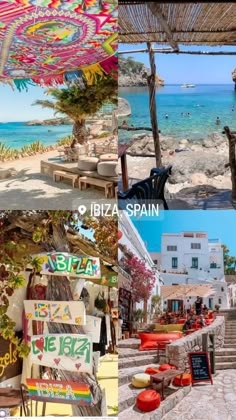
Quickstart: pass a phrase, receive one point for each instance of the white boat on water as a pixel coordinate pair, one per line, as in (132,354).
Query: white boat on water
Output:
(188,85)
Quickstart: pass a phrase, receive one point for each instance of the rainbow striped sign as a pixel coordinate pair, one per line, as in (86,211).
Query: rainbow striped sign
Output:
(59,391)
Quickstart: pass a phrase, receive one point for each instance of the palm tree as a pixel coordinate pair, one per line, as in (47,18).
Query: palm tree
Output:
(79,103)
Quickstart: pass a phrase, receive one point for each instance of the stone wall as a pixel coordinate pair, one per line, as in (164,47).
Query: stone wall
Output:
(177,352)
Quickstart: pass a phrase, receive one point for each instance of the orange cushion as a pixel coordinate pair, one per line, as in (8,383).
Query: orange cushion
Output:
(186,380)
(152,371)
(149,341)
(166,366)
(148,400)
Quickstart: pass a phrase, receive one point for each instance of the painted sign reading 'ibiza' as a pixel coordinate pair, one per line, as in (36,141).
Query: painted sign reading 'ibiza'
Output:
(63,264)
(59,391)
(71,352)
(62,312)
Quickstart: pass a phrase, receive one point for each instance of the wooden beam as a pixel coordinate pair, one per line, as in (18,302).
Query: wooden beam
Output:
(171,51)
(156,11)
(197,52)
(145,50)
(151,79)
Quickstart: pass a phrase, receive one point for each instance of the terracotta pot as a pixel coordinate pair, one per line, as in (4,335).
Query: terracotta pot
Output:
(126,334)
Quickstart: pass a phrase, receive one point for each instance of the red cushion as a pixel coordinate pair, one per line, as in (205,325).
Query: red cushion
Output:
(181,321)
(149,341)
(148,400)
(166,366)
(152,371)
(186,380)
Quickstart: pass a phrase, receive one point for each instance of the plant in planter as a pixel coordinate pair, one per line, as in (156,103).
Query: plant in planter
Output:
(217,307)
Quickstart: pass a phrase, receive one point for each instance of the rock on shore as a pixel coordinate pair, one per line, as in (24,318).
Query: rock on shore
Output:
(133,73)
(51,121)
(193,163)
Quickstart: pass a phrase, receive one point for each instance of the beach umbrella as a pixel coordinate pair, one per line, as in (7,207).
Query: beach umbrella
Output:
(50,42)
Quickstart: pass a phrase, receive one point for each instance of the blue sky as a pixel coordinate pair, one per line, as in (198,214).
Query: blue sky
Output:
(198,69)
(17,106)
(219,224)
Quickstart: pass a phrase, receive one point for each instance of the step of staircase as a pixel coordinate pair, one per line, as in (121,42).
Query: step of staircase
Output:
(228,358)
(229,344)
(225,365)
(136,361)
(131,343)
(226,352)
(125,375)
(124,352)
(132,412)
(127,396)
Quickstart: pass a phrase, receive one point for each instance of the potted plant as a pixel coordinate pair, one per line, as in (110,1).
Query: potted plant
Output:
(217,307)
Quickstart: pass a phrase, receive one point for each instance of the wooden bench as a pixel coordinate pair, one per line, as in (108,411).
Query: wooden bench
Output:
(107,185)
(65,175)
(149,190)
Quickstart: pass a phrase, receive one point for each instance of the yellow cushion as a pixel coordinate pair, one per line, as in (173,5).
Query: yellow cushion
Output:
(160,328)
(174,327)
(141,380)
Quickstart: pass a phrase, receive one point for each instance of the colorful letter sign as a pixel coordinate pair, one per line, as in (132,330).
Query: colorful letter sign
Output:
(62,312)
(63,264)
(110,280)
(93,328)
(71,352)
(59,391)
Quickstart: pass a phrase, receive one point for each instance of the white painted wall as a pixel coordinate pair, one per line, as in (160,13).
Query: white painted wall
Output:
(133,241)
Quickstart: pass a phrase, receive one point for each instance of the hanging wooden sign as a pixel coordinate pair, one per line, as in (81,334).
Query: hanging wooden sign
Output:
(10,363)
(93,328)
(71,352)
(110,280)
(56,311)
(64,264)
(59,392)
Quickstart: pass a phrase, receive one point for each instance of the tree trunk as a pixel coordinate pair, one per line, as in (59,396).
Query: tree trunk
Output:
(79,131)
(59,289)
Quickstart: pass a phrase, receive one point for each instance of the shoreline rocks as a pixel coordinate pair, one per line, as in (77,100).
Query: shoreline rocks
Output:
(134,74)
(193,163)
(51,121)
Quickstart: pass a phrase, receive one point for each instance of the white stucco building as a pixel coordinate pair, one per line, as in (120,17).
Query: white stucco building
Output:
(133,241)
(193,258)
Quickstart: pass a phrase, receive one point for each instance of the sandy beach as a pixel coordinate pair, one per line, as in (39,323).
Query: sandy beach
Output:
(27,188)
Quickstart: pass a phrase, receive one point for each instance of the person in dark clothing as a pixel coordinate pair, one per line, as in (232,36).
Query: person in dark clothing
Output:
(198,304)
(188,323)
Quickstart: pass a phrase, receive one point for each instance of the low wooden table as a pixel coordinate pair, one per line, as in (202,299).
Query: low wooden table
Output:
(164,377)
(107,185)
(66,175)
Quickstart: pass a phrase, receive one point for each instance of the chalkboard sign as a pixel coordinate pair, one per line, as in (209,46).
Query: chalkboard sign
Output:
(200,367)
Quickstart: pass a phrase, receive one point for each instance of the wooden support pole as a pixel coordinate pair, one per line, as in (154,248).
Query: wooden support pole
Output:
(171,51)
(232,159)
(152,105)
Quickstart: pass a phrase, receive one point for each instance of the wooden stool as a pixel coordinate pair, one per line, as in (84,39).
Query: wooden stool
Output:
(65,175)
(107,185)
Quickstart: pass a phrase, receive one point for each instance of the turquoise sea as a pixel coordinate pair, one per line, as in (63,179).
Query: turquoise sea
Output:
(204,103)
(17,134)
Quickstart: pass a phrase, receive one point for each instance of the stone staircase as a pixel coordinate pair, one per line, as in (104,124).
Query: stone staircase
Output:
(132,361)
(225,357)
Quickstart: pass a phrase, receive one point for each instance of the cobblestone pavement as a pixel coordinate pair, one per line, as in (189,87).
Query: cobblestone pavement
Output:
(209,402)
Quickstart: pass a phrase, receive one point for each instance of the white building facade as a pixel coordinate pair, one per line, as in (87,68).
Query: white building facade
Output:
(192,258)
(133,241)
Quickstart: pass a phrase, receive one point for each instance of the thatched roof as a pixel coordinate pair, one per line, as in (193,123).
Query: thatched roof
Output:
(189,23)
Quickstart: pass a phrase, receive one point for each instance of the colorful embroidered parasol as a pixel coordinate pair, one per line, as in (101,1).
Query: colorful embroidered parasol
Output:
(51,41)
